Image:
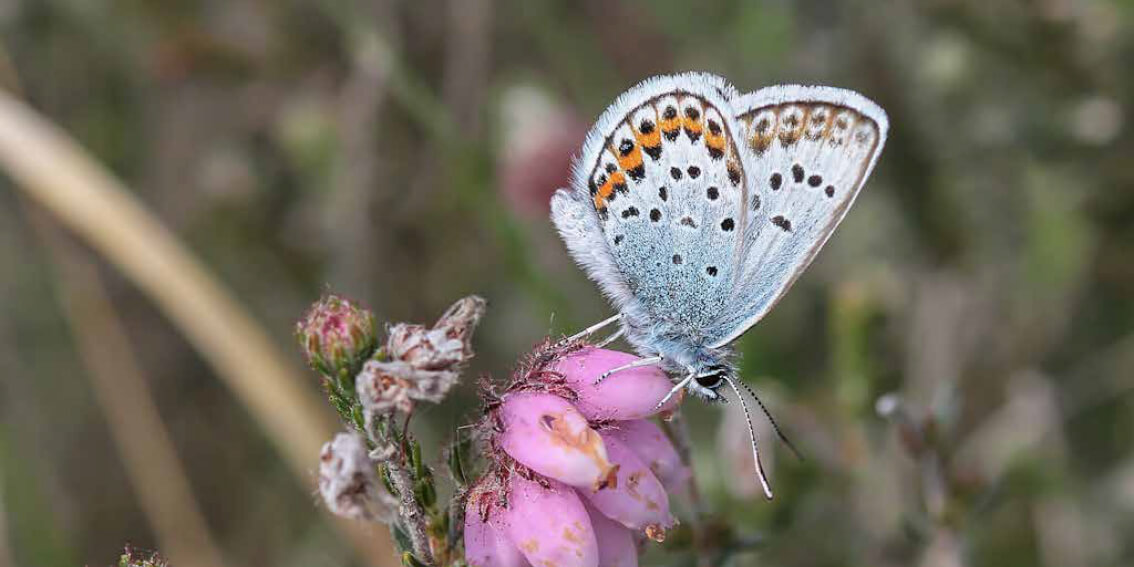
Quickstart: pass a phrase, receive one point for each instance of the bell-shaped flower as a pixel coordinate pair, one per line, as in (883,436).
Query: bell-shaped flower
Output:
(547,434)
(549,525)
(651,445)
(626,394)
(616,546)
(637,500)
(486,546)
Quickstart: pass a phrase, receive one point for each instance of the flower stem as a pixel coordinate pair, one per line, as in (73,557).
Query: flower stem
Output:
(413,515)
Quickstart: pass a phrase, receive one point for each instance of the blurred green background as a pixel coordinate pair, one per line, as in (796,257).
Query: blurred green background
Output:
(402,153)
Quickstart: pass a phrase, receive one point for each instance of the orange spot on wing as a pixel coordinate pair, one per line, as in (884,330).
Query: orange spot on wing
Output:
(692,124)
(603,194)
(650,140)
(630,160)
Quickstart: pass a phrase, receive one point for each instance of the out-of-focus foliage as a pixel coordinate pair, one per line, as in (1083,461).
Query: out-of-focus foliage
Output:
(400,152)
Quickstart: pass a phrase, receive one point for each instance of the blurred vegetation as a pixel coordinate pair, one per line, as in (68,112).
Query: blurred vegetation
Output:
(401,153)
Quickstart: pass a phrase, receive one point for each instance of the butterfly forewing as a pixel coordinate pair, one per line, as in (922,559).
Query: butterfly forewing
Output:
(807,152)
(662,178)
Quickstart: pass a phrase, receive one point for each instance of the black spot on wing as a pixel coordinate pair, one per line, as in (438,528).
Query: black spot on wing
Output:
(782,222)
(797,173)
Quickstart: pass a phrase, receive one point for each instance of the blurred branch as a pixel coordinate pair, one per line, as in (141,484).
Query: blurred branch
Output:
(135,422)
(54,171)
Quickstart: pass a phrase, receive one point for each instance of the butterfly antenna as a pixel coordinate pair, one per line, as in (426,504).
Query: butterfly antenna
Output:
(752,435)
(772,420)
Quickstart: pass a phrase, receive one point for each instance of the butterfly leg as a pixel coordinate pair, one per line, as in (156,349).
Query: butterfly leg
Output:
(610,339)
(677,388)
(590,330)
(651,361)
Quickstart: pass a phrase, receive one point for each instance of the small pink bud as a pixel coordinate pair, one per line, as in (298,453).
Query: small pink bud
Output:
(486,546)
(349,483)
(336,335)
(638,500)
(627,394)
(548,435)
(651,445)
(549,525)
(616,545)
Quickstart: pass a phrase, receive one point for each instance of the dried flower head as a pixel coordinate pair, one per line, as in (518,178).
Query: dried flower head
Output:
(349,482)
(444,347)
(419,364)
(336,335)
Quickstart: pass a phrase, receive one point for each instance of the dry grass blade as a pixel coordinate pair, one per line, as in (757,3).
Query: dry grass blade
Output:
(136,426)
(60,175)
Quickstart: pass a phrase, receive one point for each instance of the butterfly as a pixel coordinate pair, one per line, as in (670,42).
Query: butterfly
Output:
(695,207)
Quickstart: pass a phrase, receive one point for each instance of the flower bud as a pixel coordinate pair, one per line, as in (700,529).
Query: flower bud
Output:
(627,394)
(616,546)
(651,445)
(638,500)
(486,546)
(336,335)
(549,525)
(548,435)
(349,483)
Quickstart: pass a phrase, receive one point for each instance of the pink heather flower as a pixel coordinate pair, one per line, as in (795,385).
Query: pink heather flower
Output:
(547,434)
(616,545)
(336,334)
(549,525)
(485,545)
(650,444)
(637,500)
(628,394)
(565,487)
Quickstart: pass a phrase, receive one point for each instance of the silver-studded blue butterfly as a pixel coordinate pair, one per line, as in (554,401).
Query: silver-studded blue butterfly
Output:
(695,207)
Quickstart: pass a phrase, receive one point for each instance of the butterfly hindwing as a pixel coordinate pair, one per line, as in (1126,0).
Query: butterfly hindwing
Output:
(807,152)
(661,178)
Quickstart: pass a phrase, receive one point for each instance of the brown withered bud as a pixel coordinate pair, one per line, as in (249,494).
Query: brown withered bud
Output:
(444,347)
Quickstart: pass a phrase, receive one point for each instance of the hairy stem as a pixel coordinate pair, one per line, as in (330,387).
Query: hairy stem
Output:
(413,516)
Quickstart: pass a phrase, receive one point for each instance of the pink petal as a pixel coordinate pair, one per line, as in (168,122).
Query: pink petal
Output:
(627,394)
(549,525)
(616,546)
(547,434)
(651,445)
(638,500)
(485,546)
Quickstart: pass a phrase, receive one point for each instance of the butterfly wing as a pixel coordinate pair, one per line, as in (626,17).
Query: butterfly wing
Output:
(654,214)
(808,151)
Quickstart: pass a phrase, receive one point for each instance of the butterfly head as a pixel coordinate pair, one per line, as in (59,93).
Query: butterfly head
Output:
(708,380)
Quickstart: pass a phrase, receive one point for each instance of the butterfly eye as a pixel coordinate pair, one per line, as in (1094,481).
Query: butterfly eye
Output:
(711,381)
